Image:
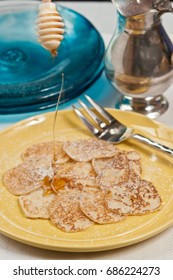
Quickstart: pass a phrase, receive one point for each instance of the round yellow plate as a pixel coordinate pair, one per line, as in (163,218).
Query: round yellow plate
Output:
(157,167)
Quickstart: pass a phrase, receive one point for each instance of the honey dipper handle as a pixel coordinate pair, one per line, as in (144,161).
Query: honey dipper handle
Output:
(50,27)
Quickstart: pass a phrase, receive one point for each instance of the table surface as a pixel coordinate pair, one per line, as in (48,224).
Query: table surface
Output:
(159,247)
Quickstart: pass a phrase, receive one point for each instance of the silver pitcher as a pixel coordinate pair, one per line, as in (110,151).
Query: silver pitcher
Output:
(139,58)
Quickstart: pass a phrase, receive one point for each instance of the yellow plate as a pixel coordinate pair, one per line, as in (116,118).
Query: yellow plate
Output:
(157,167)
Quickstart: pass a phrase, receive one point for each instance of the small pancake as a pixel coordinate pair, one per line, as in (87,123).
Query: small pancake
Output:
(134,160)
(65,212)
(47,148)
(135,197)
(102,164)
(122,160)
(111,177)
(86,149)
(80,183)
(61,182)
(35,204)
(74,174)
(28,176)
(150,197)
(92,203)
(119,199)
(116,170)
(76,170)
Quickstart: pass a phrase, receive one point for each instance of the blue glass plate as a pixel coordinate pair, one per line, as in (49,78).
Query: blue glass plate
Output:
(30,80)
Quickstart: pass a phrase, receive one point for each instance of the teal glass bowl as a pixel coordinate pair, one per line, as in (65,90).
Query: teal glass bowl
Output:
(30,80)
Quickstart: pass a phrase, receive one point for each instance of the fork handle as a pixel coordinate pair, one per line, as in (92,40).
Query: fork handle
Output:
(152,143)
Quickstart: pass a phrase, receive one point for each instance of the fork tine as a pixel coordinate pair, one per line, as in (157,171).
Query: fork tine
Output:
(88,124)
(100,110)
(93,116)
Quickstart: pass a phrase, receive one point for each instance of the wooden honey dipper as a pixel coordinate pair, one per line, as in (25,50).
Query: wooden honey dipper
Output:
(49,26)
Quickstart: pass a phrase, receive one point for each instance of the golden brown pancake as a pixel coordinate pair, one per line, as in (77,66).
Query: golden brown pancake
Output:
(29,175)
(135,197)
(74,175)
(35,204)
(92,203)
(65,212)
(122,160)
(87,149)
(111,177)
(47,149)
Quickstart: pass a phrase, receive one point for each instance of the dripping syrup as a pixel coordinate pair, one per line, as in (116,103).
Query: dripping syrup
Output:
(55,121)
(47,181)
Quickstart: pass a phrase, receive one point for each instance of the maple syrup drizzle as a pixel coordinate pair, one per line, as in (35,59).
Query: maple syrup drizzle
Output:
(47,181)
(47,185)
(55,120)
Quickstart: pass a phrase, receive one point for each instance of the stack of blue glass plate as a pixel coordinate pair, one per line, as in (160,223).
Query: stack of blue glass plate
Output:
(30,80)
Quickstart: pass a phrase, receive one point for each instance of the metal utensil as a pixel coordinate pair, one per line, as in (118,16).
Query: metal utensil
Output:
(110,129)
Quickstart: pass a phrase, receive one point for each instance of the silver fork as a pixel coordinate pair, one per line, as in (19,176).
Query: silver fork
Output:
(110,129)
